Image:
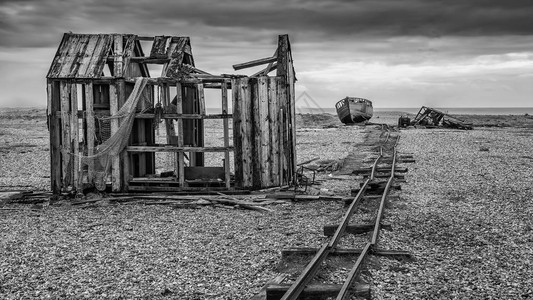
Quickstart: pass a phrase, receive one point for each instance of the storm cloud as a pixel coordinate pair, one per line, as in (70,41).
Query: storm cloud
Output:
(424,43)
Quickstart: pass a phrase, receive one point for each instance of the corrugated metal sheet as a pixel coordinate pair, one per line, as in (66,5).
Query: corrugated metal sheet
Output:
(81,56)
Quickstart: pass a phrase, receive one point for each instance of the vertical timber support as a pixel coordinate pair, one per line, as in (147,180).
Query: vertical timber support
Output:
(242,131)
(66,150)
(181,156)
(263,134)
(225,122)
(286,70)
(54,127)
(75,141)
(89,119)
(115,161)
(273,124)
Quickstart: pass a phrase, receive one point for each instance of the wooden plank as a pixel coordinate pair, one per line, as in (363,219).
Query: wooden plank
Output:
(93,66)
(282,134)
(159,47)
(54,103)
(167,148)
(256,163)
(397,254)
(261,295)
(225,124)
(329,230)
(66,161)
(246,132)
(273,124)
(89,119)
(68,56)
(317,291)
(115,161)
(87,56)
(237,124)
(181,156)
(124,164)
(99,58)
(254,63)
(129,45)
(59,57)
(201,98)
(184,116)
(75,139)
(118,63)
(264,137)
(78,56)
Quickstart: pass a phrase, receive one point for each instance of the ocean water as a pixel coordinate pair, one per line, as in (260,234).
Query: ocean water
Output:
(450,110)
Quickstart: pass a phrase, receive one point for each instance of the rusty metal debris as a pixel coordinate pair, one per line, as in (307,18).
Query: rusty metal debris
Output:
(431,118)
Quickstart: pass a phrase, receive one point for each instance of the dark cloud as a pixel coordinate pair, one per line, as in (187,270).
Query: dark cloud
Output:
(39,23)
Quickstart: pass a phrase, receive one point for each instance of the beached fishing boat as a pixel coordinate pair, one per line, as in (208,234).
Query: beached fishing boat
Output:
(354,110)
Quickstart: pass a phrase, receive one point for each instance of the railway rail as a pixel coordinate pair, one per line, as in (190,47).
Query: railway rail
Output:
(387,149)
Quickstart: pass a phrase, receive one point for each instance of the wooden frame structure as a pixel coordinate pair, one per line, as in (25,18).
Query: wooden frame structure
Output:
(93,76)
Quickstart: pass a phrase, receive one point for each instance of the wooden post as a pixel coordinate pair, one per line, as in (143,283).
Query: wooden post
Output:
(224,89)
(237,124)
(115,162)
(181,157)
(89,119)
(255,162)
(273,124)
(124,157)
(286,70)
(118,66)
(264,134)
(201,98)
(66,164)
(75,141)
(54,126)
(246,131)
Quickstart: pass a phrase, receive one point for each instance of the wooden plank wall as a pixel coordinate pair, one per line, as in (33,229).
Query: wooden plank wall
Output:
(258,131)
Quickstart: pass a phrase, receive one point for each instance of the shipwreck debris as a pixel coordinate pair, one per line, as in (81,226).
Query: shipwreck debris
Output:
(431,118)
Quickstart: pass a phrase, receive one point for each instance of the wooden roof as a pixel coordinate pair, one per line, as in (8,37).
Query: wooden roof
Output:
(85,55)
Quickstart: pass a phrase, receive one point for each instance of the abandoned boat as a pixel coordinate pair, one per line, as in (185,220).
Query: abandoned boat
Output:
(354,110)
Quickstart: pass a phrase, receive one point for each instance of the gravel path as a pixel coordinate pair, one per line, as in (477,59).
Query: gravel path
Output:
(465,213)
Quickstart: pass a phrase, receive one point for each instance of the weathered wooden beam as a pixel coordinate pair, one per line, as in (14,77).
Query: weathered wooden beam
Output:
(271,67)
(166,148)
(317,291)
(225,124)
(397,254)
(181,156)
(329,230)
(115,161)
(54,127)
(273,124)
(66,149)
(185,116)
(90,125)
(265,131)
(261,295)
(75,139)
(254,63)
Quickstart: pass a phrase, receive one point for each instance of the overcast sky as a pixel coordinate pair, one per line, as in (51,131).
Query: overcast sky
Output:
(397,53)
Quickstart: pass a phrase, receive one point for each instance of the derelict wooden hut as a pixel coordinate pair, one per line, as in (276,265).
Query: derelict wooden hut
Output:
(107,101)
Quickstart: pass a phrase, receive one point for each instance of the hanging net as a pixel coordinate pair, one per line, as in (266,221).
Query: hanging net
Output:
(99,164)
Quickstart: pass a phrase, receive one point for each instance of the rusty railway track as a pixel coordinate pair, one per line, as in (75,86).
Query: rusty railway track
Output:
(297,288)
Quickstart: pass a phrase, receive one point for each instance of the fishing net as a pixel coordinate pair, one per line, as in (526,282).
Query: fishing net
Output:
(99,164)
